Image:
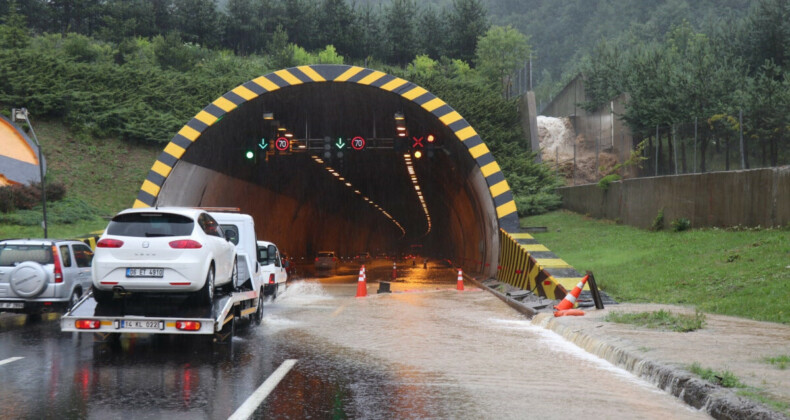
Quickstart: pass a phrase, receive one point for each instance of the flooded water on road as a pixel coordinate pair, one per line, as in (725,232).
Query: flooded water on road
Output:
(448,354)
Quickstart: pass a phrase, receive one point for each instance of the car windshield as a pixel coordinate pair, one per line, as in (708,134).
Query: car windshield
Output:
(12,254)
(326,255)
(150,225)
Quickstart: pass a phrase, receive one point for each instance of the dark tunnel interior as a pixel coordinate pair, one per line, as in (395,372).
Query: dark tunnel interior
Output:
(310,199)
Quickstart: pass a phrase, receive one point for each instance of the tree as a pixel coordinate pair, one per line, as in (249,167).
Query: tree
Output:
(197,21)
(769,100)
(399,24)
(300,21)
(468,21)
(431,32)
(767,34)
(499,53)
(13,31)
(242,27)
(338,26)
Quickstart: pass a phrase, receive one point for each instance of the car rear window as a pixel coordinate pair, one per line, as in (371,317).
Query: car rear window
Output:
(12,254)
(326,254)
(150,225)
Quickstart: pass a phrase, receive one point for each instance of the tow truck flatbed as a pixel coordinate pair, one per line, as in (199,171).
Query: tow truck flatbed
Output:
(159,314)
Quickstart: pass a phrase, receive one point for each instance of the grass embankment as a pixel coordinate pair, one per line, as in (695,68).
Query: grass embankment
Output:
(742,273)
(105,174)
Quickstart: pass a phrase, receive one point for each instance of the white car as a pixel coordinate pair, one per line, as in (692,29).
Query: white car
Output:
(274,270)
(163,250)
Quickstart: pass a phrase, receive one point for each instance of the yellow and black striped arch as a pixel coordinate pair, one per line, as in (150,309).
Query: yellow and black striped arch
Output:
(497,185)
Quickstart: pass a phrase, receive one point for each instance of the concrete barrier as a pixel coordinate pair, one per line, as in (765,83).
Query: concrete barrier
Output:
(757,197)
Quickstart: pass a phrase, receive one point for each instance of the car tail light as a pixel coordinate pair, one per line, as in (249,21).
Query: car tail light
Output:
(188,325)
(109,243)
(316,259)
(185,244)
(87,324)
(58,269)
(271,278)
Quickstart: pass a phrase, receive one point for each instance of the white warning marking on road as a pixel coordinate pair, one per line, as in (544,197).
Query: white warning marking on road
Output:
(248,408)
(10,359)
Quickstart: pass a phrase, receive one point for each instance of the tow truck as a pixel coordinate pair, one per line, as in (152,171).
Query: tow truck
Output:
(168,314)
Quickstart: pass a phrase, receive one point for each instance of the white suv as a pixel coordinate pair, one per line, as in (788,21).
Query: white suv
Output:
(163,250)
(40,275)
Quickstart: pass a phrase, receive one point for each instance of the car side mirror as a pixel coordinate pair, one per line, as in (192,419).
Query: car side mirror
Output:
(228,235)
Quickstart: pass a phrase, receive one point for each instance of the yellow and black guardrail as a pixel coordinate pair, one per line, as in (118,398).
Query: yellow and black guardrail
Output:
(528,265)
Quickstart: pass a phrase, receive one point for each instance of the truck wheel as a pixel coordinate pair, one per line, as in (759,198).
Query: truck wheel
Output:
(206,294)
(102,296)
(258,317)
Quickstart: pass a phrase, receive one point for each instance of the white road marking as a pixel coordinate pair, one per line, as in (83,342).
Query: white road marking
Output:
(248,408)
(10,359)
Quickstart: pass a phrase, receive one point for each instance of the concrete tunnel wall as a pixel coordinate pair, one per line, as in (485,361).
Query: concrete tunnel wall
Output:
(476,206)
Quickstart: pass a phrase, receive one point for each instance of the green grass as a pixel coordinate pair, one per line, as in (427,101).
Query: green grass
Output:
(780,362)
(734,272)
(725,378)
(55,231)
(662,320)
(755,395)
(105,173)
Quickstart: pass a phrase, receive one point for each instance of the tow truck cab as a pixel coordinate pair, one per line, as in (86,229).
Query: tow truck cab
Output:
(241,230)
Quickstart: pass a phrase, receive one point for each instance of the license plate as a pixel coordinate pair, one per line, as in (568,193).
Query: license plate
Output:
(12,305)
(146,325)
(145,272)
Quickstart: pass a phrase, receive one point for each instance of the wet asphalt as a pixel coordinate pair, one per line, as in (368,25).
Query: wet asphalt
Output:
(425,351)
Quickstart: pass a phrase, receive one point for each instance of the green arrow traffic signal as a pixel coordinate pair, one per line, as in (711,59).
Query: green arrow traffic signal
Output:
(340,144)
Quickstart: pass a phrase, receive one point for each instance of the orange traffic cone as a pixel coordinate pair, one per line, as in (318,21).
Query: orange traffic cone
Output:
(570,298)
(460,285)
(362,286)
(569,312)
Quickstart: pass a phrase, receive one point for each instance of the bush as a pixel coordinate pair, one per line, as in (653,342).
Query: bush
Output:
(681,224)
(606,181)
(25,197)
(658,222)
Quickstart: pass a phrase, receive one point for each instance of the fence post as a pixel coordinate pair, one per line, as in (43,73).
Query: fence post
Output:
(597,142)
(740,128)
(675,148)
(695,145)
(657,140)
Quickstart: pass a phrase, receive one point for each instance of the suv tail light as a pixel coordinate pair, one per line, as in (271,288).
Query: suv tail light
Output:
(58,269)
(271,278)
(185,244)
(109,243)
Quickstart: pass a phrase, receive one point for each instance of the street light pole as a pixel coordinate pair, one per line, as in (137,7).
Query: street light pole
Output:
(18,115)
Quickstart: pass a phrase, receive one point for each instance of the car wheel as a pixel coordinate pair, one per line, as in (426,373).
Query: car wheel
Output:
(102,296)
(258,317)
(206,294)
(75,297)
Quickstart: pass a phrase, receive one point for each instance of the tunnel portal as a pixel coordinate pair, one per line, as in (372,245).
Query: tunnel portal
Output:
(321,193)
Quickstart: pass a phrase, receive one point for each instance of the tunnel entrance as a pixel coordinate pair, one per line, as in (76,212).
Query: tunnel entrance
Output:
(320,192)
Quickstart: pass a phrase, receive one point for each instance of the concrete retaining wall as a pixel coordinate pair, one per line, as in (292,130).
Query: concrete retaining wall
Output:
(759,197)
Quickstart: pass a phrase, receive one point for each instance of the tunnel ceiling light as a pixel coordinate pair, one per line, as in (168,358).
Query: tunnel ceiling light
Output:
(289,135)
(282,129)
(420,197)
(348,184)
